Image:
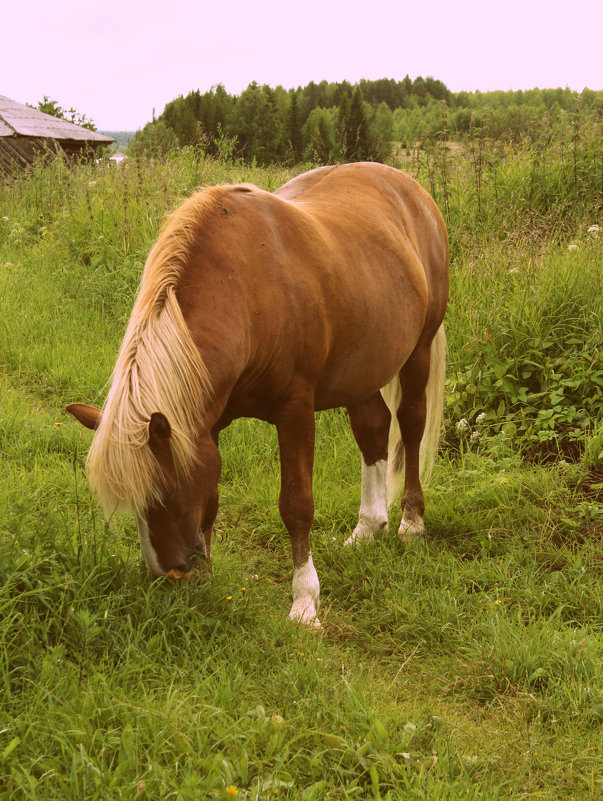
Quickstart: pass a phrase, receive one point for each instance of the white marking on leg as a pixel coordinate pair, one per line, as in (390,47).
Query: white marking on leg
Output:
(411,528)
(149,552)
(306,589)
(372,519)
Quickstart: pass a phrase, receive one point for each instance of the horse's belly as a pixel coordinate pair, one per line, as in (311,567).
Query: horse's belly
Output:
(372,341)
(355,374)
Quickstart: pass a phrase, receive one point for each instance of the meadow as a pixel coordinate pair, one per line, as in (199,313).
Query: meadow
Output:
(468,665)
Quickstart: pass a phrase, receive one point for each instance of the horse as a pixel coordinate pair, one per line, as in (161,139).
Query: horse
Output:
(329,292)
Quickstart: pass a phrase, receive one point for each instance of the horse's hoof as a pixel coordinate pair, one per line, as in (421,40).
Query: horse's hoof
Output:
(366,532)
(312,622)
(305,613)
(411,529)
(358,539)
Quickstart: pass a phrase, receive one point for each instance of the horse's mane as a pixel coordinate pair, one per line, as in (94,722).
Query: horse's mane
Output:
(159,369)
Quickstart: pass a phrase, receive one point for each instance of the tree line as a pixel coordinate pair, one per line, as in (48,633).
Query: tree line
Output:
(332,122)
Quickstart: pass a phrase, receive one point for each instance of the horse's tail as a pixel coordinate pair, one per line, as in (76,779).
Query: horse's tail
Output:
(392,394)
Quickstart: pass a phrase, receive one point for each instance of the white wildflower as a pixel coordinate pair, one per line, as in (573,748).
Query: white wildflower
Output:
(5,219)
(572,247)
(462,425)
(513,270)
(476,436)
(480,418)
(594,229)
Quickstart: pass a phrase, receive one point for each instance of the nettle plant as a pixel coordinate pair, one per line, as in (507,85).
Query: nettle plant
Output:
(537,376)
(541,400)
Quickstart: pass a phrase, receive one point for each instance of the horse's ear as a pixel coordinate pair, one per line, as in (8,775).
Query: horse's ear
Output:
(159,427)
(88,416)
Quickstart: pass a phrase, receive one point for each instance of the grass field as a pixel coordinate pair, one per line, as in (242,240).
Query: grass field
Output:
(465,666)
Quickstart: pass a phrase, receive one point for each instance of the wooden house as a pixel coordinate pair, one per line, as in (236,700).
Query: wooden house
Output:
(26,132)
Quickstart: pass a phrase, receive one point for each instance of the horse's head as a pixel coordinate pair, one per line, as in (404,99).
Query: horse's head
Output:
(175,526)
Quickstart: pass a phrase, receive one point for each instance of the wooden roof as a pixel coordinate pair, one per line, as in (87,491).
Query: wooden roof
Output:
(19,120)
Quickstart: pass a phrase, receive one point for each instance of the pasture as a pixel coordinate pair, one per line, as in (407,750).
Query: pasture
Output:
(467,665)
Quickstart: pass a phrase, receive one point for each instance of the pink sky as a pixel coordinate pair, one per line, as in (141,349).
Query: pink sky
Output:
(118,64)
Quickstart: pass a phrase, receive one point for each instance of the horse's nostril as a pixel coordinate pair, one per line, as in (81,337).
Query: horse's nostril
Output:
(182,567)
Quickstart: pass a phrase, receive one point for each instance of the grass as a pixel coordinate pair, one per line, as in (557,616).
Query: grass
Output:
(469,665)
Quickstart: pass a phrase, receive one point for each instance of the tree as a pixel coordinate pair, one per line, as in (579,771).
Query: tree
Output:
(419,88)
(345,132)
(319,133)
(381,132)
(359,146)
(257,125)
(155,139)
(52,107)
(294,129)
(179,116)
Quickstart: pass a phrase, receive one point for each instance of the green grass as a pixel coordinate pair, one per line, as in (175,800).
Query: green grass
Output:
(466,666)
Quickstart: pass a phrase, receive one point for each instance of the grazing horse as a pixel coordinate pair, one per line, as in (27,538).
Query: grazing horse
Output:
(329,292)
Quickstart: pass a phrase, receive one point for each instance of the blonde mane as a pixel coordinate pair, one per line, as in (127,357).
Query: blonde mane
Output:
(159,369)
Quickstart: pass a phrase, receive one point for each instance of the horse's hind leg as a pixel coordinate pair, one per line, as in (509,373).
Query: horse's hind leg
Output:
(411,417)
(370,420)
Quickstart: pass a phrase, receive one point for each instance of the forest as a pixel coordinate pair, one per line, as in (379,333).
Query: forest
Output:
(334,122)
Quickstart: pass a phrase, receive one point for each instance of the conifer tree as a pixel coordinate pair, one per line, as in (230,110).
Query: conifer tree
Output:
(358,127)
(320,136)
(294,129)
(345,134)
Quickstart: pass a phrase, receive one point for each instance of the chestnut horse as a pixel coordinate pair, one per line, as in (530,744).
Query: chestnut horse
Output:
(329,292)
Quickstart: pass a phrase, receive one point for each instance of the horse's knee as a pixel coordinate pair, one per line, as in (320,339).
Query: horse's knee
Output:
(296,508)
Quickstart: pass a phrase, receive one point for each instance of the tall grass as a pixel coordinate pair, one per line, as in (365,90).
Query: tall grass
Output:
(465,666)
(544,187)
(526,291)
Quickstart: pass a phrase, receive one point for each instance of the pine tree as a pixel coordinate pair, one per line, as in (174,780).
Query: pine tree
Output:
(320,136)
(294,129)
(358,127)
(345,134)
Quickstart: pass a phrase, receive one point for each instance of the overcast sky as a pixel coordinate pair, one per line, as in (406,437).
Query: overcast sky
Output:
(117,62)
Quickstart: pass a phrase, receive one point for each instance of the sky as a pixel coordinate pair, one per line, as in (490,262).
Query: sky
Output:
(116,63)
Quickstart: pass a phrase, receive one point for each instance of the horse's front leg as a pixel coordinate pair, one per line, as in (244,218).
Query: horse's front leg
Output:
(295,427)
